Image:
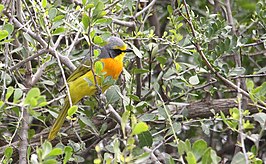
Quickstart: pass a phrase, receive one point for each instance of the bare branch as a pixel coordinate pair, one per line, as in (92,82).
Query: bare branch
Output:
(145,8)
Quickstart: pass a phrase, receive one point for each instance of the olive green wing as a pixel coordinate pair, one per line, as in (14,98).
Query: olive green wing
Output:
(80,71)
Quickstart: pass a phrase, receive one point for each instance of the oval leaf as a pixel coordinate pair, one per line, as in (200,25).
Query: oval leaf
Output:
(139,128)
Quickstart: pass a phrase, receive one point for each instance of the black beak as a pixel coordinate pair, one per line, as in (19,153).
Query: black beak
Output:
(128,50)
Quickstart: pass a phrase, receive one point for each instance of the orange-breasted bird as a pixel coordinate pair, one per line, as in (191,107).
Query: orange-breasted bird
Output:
(81,82)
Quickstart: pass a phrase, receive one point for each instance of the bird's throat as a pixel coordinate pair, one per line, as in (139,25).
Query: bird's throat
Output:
(113,66)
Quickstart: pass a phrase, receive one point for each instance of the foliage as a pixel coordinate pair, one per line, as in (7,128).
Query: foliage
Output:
(184,54)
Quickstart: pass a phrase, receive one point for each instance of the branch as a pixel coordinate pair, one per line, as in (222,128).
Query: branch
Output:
(144,9)
(39,53)
(18,25)
(122,23)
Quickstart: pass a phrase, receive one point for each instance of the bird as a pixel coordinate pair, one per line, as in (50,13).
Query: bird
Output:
(81,82)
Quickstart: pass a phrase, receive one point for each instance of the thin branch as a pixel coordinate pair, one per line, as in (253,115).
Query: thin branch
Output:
(39,53)
(229,15)
(39,73)
(145,8)
(23,147)
(254,44)
(122,23)
(249,76)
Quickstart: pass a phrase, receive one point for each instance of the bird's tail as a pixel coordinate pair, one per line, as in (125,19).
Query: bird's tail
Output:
(59,120)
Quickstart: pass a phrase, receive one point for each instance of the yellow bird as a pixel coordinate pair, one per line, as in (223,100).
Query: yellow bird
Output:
(81,82)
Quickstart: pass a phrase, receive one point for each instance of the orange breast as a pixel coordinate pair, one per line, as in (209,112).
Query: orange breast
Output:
(112,67)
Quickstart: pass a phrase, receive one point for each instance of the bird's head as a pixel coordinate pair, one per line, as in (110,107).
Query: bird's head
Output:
(114,47)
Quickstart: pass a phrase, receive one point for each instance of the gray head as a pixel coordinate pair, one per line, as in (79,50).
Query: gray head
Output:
(114,47)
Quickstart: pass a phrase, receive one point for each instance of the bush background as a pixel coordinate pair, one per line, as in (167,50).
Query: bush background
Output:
(193,90)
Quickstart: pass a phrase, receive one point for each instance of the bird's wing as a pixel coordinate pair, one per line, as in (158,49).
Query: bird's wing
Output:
(81,70)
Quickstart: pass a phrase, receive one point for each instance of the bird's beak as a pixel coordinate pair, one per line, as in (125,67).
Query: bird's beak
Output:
(128,50)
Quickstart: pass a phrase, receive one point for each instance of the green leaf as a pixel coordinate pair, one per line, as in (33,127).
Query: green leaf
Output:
(237,71)
(50,161)
(147,117)
(136,51)
(89,123)
(44,3)
(96,53)
(140,71)
(8,152)
(58,18)
(89,6)
(98,40)
(170,9)
(112,95)
(139,128)
(3,34)
(177,127)
(9,92)
(28,37)
(58,31)
(1,104)
(97,161)
(134,97)
(46,149)
(181,147)
(17,94)
(206,158)
(1,7)
(52,13)
(161,59)
(103,21)
(124,121)
(250,85)
(55,152)
(142,158)
(97,12)
(47,82)
(68,153)
(261,118)
(145,139)
(85,21)
(194,80)
(72,110)
(239,158)
(84,2)
(198,148)
(98,67)
(247,125)
(33,93)
(191,158)
(9,28)
(163,112)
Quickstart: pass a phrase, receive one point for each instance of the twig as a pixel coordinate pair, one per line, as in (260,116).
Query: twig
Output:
(64,78)
(249,76)
(122,23)
(99,89)
(145,8)
(39,53)
(24,136)
(240,122)
(39,73)
(254,44)
(229,15)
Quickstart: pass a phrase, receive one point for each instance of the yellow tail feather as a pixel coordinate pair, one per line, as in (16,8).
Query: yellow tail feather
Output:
(59,120)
